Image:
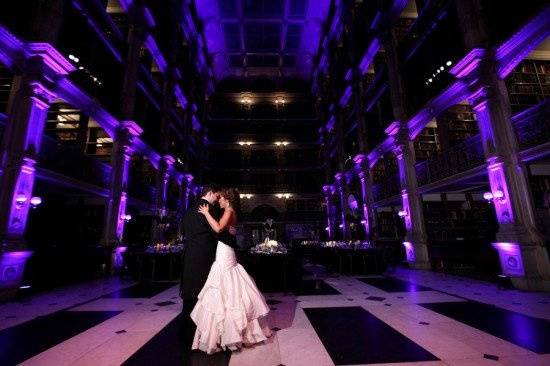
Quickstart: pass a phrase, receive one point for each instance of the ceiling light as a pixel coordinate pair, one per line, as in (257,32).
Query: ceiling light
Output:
(430,80)
(442,68)
(449,63)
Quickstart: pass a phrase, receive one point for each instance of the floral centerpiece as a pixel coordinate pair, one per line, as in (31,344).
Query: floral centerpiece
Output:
(269,247)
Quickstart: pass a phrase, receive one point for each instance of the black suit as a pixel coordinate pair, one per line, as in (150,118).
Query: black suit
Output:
(200,250)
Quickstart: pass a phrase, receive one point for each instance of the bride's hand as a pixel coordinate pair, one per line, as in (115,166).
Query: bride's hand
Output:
(203,209)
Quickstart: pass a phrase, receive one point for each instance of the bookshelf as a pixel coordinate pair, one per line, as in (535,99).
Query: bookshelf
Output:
(426,144)
(461,123)
(528,84)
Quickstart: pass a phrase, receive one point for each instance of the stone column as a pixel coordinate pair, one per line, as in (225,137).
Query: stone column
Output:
(163,178)
(328,192)
(520,245)
(27,111)
(341,183)
(136,37)
(416,239)
(120,160)
(365,176)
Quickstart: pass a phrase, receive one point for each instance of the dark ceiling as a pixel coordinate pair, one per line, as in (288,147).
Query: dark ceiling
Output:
(276,38)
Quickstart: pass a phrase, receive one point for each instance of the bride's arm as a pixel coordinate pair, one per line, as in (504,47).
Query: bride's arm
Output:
(218,227)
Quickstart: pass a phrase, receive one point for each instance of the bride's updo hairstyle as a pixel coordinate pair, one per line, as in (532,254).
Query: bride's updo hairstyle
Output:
(232,195)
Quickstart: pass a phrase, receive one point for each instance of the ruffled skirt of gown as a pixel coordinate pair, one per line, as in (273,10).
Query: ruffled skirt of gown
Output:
(230,308)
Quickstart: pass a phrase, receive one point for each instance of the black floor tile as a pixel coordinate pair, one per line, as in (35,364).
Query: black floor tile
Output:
(316,287)
(172,346)
(519,329)
(352,335)
(390,284)
(140,290)
(23,341)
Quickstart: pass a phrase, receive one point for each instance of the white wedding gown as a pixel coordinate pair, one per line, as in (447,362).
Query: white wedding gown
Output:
(230,307)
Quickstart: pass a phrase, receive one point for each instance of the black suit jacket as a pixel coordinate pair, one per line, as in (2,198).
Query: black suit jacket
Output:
(200,249)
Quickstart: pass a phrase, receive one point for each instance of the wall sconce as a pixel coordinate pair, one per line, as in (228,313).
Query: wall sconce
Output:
(283,195)
(280,101)
(20,200)
(497,195)
(327,228)
(245,143)
(126,217)
(341,226)
(247,196)
(402,213)
(282,143)
(246,100)
(364,222)
(36,201)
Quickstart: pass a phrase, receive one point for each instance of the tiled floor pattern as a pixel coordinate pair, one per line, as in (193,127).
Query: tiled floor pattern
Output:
(412,318)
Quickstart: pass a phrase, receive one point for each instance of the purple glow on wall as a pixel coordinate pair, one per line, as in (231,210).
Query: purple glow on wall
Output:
(497,181)
(409,251)
(12,265)
(516,48)
(469,63)
(406,209)
(155,53)
(121,214)
(10,48)
(369,55)
(345,96)
(182,100)
(23,188)
(510,258)
(119,258)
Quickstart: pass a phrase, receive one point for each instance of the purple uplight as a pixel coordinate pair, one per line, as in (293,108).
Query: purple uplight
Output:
(409,251)
(510,258)
(369,56)
(119,258)
(12,265)
(345,96)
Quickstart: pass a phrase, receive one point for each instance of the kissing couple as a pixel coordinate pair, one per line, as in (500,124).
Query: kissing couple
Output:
(219,296)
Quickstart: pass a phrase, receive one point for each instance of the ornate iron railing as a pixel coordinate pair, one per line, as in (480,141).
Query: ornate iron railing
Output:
(459,158)
(532,126)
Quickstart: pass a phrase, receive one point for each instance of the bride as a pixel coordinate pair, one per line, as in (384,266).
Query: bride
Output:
(230,307)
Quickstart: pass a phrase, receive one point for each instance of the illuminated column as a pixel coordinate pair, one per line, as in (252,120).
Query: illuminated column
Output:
(120,160)
(341,183)
(416,239)
(27,111)
(163,178)
(328,192)
(369,217)
(521,249)
(137,34)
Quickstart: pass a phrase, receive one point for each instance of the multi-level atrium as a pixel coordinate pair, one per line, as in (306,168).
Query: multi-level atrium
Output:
(392,159)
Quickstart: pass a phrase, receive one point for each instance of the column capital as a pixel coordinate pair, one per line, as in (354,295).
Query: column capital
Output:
(168,160)
(132,127)
(56,63)
(361,161)
(469,63)
(328,189)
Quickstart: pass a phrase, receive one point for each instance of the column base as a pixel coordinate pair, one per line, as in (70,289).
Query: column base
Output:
(527,265)
(12,268)
(417,255)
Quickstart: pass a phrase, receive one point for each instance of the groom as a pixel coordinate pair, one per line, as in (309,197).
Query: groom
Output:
(200,247)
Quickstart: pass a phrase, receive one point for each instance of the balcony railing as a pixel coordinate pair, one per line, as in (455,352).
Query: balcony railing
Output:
(533,125)
(459,158)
